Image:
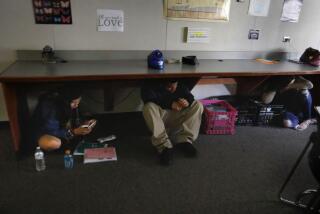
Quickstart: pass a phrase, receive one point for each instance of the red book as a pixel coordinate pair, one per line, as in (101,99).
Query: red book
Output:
(99,155)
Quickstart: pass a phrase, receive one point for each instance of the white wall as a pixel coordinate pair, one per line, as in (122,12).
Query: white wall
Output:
(145,28)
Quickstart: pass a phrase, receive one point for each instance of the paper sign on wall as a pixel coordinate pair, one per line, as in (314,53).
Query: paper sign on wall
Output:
(259,7)
(198,35)
(110,20)
(253,34)
(291,10)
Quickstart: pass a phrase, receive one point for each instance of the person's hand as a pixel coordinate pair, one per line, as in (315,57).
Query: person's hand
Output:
(183,102)
(176,106)
(81,131)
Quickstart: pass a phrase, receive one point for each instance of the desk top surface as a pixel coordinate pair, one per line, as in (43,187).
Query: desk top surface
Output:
(36,71)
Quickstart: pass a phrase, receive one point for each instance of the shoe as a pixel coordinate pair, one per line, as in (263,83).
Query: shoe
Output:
(166,156)
(187,148)
(305,124)
(313,121)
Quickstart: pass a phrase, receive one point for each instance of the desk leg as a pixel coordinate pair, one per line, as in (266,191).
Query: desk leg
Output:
(12,108)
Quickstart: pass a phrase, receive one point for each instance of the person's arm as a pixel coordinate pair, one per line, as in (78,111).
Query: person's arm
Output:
(184,93)
(52,125)
(155,95)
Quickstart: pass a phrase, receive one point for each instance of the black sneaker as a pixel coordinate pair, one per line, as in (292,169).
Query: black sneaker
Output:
(166,157)
(187,148)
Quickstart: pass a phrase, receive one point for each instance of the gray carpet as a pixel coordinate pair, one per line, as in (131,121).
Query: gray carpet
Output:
(233,174)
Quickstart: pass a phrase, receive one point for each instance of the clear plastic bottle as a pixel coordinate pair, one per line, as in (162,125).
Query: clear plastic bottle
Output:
(68,160)
(39,158)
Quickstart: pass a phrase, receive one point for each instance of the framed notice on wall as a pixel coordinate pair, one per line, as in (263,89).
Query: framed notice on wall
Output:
(52,11)
(197,10)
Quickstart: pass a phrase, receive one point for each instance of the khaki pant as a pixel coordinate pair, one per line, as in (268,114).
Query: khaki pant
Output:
(181,126)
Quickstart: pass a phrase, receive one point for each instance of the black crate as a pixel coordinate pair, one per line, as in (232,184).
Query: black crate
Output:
(256,113)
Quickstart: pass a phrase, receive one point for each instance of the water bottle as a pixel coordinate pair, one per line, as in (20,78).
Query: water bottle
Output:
(39,157)
(68,160)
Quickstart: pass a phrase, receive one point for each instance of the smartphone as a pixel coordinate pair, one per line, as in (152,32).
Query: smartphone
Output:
(89,126)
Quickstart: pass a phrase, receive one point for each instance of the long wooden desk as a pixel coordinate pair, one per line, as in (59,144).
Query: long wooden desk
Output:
(22,74)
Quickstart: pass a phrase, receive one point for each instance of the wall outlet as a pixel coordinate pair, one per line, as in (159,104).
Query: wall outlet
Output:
(286,39)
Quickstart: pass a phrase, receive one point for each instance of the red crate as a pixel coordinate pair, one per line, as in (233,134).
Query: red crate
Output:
(219,122)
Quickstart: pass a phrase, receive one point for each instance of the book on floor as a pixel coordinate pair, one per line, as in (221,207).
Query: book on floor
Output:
(79,150)
(95,155)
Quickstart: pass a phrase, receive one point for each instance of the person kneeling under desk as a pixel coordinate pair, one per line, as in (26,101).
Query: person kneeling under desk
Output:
(293,93)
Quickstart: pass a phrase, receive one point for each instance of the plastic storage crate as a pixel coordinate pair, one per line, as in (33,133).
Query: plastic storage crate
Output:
(219,117)
(257,114)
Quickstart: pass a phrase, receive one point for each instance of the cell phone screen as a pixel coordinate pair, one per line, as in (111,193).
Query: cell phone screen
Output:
(89,126)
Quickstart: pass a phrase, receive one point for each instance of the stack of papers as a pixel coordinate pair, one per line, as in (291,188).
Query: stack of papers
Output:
(99,155)
(291,10)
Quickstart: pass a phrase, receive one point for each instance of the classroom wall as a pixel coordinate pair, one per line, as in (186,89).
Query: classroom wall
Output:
(145,28)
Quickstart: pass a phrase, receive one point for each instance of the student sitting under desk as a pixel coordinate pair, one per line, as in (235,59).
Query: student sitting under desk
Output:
(171,109)
(56,119)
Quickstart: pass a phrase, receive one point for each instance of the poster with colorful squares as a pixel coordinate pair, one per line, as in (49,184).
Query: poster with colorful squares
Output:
(52,11)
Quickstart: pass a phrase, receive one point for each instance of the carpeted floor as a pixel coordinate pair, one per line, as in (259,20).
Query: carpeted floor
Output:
(233,174)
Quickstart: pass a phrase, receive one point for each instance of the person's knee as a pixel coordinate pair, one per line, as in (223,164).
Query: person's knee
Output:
(197,106)
(49,142)
(149,107)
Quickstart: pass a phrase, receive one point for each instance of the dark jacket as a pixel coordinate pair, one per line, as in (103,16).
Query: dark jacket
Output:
(155,91)
(51,116)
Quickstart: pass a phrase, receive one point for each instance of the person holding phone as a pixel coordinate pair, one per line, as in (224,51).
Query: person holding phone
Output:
(56,119)
(173,116)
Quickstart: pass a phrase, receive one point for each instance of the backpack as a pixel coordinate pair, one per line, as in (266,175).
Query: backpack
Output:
(311,56)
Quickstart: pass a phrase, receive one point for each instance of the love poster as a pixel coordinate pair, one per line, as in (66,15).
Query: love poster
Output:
(52,11)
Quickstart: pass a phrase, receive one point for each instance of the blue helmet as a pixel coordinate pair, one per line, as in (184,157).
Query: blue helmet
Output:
(156,60)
